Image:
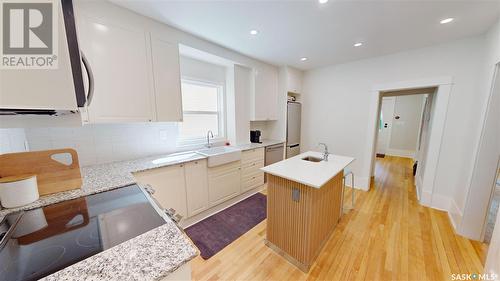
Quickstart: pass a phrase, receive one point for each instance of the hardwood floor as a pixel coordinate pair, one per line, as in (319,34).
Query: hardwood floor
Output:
(388,236)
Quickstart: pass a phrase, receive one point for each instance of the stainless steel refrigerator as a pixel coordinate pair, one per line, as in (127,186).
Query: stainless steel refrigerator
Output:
(293,129)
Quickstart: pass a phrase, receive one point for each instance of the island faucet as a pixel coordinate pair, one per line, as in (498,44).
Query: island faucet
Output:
(209,133)
(325,152)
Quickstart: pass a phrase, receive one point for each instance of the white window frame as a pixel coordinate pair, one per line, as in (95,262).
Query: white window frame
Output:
(221,116)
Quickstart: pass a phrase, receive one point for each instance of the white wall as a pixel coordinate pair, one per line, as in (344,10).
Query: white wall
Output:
(404,132)
(200,70)
(337,105)
(473,200)
(101,143)
(12,140)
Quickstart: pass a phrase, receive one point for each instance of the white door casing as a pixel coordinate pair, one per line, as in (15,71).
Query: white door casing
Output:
(384,134)
(443,85)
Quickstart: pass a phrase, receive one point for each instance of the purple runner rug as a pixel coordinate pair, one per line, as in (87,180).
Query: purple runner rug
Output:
(219,230)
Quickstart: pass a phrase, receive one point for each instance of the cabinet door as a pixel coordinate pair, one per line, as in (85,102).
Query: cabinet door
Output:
(224,182)
(265,95)
(169,185)
(196,186)
(119,58)
(167,80)
(293,80)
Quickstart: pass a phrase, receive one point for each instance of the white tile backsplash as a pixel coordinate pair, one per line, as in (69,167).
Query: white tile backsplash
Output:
(106,143)
(12,140)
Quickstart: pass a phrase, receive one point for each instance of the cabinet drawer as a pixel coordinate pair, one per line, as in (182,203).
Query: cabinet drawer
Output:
(254,181)
(224,169)
(251,175)
(251,167)
(252,155)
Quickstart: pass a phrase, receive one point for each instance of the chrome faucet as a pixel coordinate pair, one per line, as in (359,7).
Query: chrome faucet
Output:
(209,133)
(325,152)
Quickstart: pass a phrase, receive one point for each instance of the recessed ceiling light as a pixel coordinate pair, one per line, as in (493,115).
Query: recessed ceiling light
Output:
(358,44)
(448,20)
(254,32)
(322,1)
(303,59)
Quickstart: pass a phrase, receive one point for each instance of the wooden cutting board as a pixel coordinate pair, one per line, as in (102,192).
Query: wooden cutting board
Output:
(56,170)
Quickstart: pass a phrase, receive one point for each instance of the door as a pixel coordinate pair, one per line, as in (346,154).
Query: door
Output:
(293,123)
(384,132)
(120,60)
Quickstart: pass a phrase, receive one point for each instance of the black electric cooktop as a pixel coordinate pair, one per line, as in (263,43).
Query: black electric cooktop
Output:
(42,241)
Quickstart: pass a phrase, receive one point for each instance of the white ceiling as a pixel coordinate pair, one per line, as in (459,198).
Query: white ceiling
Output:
(325,33)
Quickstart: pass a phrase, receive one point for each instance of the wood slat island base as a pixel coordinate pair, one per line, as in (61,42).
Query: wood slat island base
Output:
(299,226)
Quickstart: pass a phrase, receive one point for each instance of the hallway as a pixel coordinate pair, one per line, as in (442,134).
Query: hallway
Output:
(388,236)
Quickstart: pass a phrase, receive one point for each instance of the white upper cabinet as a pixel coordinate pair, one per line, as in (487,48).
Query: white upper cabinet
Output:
(119,57)
(167,80)
(293,80)
(265,95)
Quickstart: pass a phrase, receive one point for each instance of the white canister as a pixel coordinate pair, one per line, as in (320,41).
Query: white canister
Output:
(17,191)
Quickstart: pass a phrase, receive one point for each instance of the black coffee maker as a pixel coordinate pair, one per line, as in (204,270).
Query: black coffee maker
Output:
(255,136)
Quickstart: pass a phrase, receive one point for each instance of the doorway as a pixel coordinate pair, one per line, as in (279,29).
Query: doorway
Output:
(401,123)
(404,126)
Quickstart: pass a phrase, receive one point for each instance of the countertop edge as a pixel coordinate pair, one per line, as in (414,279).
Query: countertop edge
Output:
(285,176)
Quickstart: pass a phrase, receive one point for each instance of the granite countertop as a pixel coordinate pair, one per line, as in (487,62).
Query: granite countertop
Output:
(314,174)
(265,142)
(150,256)
(104,177)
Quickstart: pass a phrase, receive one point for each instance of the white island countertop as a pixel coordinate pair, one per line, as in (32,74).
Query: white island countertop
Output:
(314,174)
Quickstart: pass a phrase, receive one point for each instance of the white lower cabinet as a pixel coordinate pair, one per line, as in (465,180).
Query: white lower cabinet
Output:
(251,175)
(196,186)
(224,182)
(192,188)
(169,185)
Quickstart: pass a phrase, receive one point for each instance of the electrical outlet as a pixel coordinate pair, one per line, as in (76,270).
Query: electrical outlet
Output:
(296,194)
(163,135)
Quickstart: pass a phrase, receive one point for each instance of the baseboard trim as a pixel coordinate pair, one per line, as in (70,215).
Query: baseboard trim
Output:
(426,198)
(455,215)
(401,153)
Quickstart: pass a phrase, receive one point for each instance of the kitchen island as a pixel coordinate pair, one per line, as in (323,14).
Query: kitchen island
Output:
(304,204)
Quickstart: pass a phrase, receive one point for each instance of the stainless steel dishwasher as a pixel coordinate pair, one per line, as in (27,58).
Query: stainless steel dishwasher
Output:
(274,153)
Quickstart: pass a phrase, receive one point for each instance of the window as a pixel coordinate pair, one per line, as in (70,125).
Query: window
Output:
(202,106)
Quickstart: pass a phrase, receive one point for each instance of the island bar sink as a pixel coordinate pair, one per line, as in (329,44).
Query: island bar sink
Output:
(312,159)
(220,155)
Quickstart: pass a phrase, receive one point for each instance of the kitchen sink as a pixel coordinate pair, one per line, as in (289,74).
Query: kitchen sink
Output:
(177,157)
(220,155)
(312,159)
